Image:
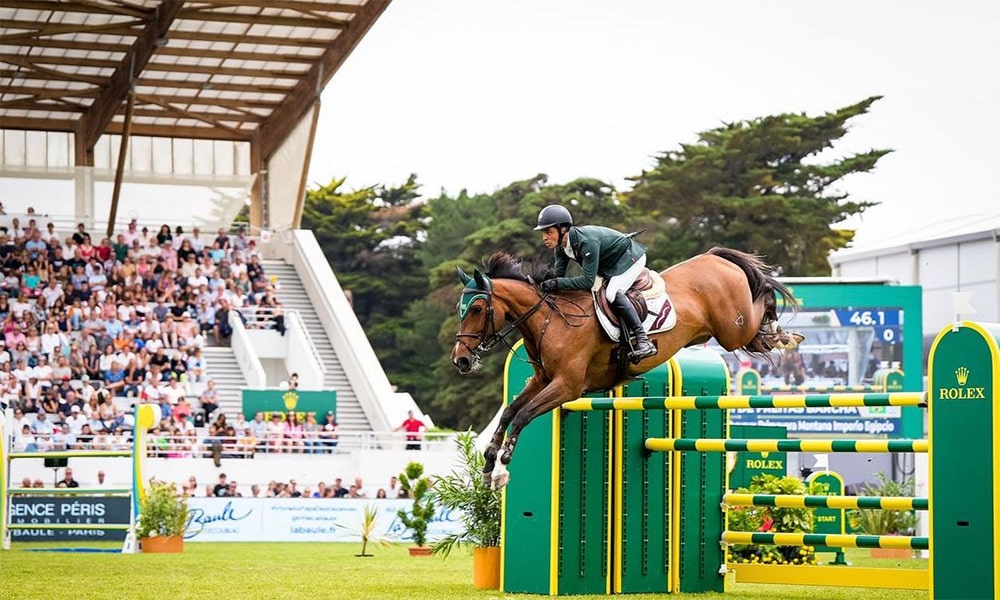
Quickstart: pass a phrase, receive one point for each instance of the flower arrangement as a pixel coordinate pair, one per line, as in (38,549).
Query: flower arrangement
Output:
(772,520)
(163,511)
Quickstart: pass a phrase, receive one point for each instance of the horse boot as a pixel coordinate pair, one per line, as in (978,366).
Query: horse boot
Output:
(630,323)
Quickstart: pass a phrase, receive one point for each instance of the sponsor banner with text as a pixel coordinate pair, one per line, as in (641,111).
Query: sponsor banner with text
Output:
(68,510)
(304,520)
(839,420)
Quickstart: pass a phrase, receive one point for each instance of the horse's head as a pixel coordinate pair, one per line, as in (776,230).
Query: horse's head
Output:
(476,321)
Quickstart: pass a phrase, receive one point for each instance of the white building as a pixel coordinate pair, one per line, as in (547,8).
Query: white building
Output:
(953,255)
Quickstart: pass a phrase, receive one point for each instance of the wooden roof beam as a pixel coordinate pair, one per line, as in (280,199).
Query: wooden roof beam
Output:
(282,121)
(81,6)
(132,64)
(208,13)
(36,30)
(238,38)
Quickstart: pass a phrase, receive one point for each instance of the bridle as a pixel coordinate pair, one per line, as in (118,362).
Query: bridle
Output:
(489,337)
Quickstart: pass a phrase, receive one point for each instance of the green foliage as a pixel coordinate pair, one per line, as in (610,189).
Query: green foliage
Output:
(418,487)
(367,528)
(760,186)
(771,520)
(885,522)
(463,489)
(767,185)
(163,512)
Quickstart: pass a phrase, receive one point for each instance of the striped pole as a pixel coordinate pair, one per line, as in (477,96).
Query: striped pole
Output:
(831,540)
(847,502)
(734,402)
(820,446)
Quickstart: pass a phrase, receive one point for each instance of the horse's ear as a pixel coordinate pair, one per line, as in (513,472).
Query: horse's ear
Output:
(482,281)
(463,277)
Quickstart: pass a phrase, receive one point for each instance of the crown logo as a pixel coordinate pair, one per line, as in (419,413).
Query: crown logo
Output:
(290,399)
(962,375)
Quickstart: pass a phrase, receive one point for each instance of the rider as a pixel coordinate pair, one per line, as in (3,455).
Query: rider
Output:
(600,251)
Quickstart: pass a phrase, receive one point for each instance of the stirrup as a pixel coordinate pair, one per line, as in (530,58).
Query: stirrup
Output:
(637,355)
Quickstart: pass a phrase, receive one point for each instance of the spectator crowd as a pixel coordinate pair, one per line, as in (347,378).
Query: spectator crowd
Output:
(92,324)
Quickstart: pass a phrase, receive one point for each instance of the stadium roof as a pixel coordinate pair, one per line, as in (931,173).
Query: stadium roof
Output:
(942,232)
(241,70)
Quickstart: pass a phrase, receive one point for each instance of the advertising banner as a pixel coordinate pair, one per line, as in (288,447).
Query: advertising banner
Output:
(304,520)
(317,402)
(836,420)
(68,510)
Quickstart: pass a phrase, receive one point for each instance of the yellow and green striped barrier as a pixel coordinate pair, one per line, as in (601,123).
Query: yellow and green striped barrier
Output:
(737,402)
(819,446)
(820,539)
(846,502)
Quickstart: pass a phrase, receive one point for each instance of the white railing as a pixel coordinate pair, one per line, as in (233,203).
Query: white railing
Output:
(203,445)
(245,354)
(302,352)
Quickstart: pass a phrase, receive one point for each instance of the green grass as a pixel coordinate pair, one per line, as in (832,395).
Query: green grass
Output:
(316,570)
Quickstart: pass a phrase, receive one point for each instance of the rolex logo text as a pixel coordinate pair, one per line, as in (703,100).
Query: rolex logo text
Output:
(961,391)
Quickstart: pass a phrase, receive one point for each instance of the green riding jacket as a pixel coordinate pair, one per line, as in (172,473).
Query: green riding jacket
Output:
(600,251)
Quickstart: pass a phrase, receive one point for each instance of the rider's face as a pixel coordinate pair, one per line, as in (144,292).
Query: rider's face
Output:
(550,237)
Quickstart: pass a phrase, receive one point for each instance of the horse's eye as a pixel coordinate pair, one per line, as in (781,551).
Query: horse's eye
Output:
(476,309)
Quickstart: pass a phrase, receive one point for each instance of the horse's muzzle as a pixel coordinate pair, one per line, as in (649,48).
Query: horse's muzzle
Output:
(463,364)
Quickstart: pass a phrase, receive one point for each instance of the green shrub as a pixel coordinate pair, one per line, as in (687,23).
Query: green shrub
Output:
(885,522)
(163,511)
(771,520)
(418,487)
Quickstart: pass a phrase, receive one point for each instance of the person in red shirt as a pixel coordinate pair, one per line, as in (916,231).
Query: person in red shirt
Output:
(412,426)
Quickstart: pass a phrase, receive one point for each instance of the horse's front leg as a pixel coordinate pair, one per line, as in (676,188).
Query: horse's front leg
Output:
(529,391)
(554,395)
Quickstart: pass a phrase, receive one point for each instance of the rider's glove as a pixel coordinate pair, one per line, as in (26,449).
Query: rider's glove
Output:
(550,285)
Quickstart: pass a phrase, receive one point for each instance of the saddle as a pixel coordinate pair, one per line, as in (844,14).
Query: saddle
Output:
(648,284)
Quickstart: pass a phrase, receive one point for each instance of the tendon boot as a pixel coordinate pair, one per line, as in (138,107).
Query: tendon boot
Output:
(630,323)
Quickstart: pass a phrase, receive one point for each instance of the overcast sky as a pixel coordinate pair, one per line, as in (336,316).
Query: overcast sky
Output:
(476,94)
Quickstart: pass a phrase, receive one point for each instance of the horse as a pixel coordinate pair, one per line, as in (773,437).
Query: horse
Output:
(723,293)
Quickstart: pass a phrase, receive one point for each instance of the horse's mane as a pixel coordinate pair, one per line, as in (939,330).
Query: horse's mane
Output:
(502,265)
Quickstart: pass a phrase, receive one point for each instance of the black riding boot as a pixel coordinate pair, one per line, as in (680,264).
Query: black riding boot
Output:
(630,323)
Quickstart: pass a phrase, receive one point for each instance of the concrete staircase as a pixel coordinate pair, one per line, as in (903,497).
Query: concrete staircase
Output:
(292,296)
(221,366)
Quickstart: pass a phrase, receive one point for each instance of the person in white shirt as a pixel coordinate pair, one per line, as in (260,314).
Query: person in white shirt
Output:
(25,441)
(42,371)
(172,391)
(76,420)
(102,482)
(21,372)
(52,339)
(198,279)
(52,292)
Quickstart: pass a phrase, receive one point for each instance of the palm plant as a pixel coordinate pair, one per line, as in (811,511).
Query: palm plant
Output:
(464,490)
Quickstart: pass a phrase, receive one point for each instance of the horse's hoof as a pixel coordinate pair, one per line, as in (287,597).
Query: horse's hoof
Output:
(500,480)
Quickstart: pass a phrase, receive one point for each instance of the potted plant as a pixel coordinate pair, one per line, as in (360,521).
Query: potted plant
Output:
(163,515)
(369,522)
(771,520)
(417,487)
(463,490)
(885,522)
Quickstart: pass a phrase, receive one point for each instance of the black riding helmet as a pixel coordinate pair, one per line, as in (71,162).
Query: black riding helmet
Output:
(553,215)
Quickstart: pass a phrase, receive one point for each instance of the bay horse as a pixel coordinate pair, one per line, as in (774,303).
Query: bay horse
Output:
(723,293)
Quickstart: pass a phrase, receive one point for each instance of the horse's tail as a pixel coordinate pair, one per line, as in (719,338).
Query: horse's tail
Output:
(762,283)
(758,274)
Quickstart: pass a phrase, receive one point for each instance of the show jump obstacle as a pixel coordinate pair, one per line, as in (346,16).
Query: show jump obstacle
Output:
(146,416)
(627,494)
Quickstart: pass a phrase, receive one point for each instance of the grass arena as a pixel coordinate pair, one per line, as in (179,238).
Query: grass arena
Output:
(628,495)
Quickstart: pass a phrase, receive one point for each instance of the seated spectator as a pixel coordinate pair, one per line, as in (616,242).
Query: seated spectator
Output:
(293,433)
(328,432)
(24,441)
(114,379)
(63,439)
(209,400)
(276,433)
(85,439)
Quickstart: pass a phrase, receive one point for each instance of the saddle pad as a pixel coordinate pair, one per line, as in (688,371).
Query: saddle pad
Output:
(654,323)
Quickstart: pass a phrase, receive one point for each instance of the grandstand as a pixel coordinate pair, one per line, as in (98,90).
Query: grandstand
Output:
(123,176)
